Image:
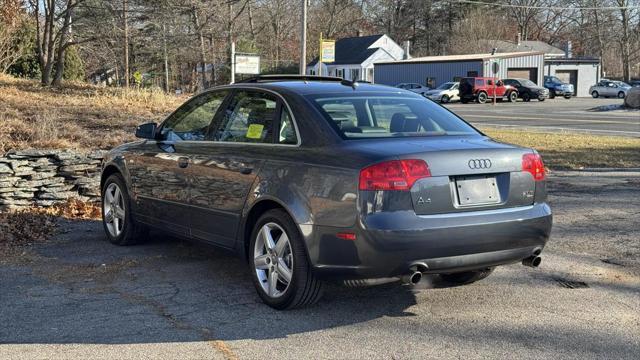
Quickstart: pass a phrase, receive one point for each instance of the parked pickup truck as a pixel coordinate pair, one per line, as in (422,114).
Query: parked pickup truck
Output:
(481,89)
(557,87)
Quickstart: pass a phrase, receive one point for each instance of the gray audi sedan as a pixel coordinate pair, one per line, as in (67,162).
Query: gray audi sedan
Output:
(314,179)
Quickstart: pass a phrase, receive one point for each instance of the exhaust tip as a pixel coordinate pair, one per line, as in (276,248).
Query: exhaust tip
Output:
(415,277)
(532,261)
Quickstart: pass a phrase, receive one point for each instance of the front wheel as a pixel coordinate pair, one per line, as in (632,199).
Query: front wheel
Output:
(117,218)
(526,97)
(595,94)
(621,95)
(280,267)
(567,96)
(467,277)
(445,99)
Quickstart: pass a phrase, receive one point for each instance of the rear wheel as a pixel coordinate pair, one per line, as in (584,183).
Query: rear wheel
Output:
(467,277)
(482,97)
(464,101)
(540,99)
(595,94)
(621,95)
(552,94)
(513,96)
(280,267)
(117,218)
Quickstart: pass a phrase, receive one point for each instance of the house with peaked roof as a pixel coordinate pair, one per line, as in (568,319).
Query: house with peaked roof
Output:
(355,57)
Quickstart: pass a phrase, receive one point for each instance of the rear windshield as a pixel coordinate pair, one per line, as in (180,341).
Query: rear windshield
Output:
(388,116)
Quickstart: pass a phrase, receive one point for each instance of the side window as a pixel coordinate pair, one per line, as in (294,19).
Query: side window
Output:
(489,82)
(191,121)
(287,133)
(479,82)
(249,118)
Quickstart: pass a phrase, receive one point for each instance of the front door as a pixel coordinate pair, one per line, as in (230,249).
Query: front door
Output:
(158,170)
(224,169)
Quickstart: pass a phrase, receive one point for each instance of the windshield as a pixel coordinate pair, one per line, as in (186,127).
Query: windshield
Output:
(445,86)
(554,79)
(369,116)
(622,83)
(528,83)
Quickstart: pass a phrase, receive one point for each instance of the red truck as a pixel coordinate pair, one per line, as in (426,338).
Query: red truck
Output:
(481,89)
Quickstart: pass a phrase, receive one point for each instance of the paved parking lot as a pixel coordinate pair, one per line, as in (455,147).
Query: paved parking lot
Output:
(80,297)
(554,114)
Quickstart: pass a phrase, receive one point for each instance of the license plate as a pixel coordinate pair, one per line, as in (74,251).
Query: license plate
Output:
(477,190)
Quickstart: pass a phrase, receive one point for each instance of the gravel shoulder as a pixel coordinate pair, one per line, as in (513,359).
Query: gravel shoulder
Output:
(77,296)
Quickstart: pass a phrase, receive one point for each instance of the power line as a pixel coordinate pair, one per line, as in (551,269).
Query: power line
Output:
(541,7)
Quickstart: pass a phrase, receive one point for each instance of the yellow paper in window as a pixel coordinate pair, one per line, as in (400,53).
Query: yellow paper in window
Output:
(254,131)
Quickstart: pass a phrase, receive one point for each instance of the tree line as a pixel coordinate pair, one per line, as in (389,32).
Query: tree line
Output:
(185,44)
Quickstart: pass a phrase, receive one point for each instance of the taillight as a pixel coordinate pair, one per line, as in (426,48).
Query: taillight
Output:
(393,175)
(532,163)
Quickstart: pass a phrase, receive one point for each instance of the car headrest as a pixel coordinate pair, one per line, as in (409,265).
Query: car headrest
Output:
(399,123)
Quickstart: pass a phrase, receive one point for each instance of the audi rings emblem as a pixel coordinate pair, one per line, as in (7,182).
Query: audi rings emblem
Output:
(479,163)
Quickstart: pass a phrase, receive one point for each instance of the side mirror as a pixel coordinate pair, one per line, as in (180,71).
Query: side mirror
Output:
(147,131)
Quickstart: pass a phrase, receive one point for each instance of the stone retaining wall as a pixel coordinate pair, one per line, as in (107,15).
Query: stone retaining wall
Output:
(46,177)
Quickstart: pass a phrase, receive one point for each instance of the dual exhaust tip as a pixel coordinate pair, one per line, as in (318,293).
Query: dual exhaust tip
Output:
(416,270)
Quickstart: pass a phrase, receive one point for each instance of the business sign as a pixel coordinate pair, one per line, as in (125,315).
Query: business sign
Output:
(328,51)
(247,64)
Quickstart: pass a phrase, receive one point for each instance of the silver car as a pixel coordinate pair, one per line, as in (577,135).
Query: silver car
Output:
(414,87)
(610,88)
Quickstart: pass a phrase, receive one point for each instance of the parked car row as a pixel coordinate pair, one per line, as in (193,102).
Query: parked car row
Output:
(482,89)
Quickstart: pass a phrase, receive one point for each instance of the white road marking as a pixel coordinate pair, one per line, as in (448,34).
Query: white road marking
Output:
(630,133)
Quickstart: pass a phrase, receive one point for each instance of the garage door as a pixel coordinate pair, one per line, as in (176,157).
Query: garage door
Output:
(523,73)
(569,77)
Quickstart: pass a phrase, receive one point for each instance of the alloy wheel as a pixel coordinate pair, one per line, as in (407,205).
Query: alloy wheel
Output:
(273,259)
(113,210)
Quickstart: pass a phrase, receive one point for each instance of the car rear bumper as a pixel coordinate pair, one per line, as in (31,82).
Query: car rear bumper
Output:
(389,244)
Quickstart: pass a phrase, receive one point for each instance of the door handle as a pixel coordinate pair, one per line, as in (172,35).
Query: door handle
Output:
(246,171)
(183,162)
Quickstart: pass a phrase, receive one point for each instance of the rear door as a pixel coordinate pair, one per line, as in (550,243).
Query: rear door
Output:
(225,168)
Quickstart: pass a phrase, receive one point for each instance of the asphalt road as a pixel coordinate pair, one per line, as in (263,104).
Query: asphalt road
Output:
(554,115)
(80,297)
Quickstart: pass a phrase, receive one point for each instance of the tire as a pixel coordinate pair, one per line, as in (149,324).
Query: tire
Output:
(567,97)
(621,95)
(482,97)
(512,96)
(552,94)
(464,101)
(303,288)
(116,205)
(595,94)
(467,277)
(526,97)
(541,99)
(445,99)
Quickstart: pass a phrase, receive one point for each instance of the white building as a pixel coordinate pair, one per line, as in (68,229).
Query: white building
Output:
(355,57)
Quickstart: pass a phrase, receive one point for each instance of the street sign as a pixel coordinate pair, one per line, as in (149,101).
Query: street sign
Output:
(247,64)
(495,67)
(328,51)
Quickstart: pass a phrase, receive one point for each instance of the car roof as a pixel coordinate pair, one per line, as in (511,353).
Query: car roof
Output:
(303,87)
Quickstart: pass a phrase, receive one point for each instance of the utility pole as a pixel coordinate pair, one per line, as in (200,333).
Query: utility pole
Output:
(166,58)
(303,39)
(125,10)
(233,62)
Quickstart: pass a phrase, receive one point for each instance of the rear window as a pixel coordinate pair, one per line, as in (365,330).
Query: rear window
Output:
(388,116)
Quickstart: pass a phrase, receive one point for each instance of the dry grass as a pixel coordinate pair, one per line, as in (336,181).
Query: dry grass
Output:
(78,116)
(575,151)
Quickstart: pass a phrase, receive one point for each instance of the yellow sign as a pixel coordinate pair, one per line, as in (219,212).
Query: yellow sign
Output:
(328,51)
(254,131)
